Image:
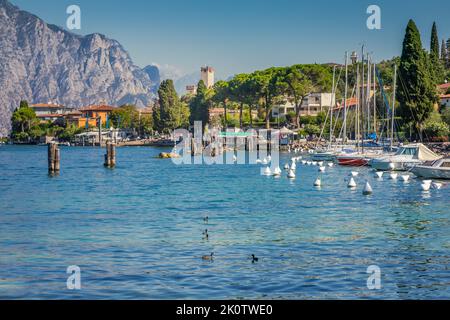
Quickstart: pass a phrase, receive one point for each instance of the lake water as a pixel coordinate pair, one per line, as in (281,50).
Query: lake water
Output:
(136,231)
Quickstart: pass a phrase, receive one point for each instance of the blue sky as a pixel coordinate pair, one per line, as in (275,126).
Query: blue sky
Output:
(244,35)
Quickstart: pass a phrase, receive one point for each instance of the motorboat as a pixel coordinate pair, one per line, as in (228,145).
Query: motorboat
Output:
(406,156)
(439,169)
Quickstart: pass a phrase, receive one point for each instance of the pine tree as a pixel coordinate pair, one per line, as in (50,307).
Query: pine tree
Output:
(437,67)
(417,89)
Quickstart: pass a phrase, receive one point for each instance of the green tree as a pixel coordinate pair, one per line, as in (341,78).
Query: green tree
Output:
(221,96)
(23,119)
(126,116)
(417,90)
(199,105)
(437,66)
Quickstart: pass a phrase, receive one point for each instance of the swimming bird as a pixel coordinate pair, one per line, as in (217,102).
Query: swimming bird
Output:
(209,258)
(205,233)
(205,219)
(254,259)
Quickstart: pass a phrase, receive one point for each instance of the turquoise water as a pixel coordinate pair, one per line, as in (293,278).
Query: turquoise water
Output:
(136,231)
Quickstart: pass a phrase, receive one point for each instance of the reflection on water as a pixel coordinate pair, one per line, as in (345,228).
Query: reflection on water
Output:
(136,231)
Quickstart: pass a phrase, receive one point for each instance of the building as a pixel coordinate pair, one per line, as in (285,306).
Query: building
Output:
(88,116)
(311,105)
(50,112)
(443,88)
(445,100)
(191,89)
(207,75)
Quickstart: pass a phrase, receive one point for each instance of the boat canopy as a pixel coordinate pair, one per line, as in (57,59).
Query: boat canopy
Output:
(419,151)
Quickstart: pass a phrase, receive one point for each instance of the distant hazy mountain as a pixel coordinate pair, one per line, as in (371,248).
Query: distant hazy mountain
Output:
(44,63)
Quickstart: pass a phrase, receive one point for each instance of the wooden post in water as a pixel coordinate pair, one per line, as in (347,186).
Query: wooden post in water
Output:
(54,158)
(110,156)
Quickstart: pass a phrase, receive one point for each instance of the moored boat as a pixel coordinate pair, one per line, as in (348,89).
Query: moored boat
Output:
(439,169)
(406,156)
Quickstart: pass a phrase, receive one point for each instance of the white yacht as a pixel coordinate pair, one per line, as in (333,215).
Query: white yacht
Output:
(406,156)
(439,169)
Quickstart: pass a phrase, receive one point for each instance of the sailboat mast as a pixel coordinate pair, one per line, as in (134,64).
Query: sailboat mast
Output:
(374,99)
(358,99)
(344,137)
(369,87)
(333,94)
(393,105)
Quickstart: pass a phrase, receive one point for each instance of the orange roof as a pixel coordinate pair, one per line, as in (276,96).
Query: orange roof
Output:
(350,103)
(444,86)
(445,96)
(46,105)
(97,108)
(148,110)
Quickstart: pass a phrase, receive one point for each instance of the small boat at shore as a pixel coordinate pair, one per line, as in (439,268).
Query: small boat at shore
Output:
(439,169)
(407,156)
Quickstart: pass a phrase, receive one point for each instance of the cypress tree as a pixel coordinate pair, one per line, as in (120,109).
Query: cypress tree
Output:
(417,90)
(199,105)
(167,113)
(434,45)
(447,63)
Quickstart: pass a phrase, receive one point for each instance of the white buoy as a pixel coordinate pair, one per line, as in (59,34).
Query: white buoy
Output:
(436,185)
(308,163)
(354,173)
(258,161)
(379,174)
(286,166)
(320,163)
(264,161)
(291,174)
(330,164)
(425,186)
(351,183)
(267,171)
(391,166)
(277,171)
(322,169)
(304,162)
(314,163)
(405,177)
(293,166)
(367,189)
(393,176)
(317,183)
(427,182)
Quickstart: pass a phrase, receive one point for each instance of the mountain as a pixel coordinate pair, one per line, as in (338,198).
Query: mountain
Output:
(44,63)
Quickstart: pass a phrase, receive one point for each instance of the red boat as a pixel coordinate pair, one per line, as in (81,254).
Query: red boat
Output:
(355,160)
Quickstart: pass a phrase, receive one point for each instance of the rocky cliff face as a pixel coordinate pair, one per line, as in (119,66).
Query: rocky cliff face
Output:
(43,63)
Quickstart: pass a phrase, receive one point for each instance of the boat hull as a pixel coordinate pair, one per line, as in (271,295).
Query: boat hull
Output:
(352,161)
(431,173)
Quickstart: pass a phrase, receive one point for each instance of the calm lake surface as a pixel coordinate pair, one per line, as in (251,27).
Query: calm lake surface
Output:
(136,231)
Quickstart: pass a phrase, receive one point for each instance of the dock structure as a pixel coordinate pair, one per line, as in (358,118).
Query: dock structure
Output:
(54,158)
(110,156)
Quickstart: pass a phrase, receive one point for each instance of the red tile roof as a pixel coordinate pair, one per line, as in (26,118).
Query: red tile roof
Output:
(444,86)
(445,96)
(97,108)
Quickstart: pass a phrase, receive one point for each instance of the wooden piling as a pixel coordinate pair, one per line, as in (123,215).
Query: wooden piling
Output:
(54,158)
(110,156)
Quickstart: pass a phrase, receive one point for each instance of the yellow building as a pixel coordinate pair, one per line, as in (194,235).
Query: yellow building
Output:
(89,115)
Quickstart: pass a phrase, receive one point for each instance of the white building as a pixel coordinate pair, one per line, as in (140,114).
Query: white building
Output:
(312,105)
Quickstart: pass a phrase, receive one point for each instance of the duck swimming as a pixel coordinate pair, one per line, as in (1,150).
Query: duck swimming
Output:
(254,259)
(210,257)
(205,233)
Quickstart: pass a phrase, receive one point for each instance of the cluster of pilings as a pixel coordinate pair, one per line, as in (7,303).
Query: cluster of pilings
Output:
(54,158)
(110,156)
